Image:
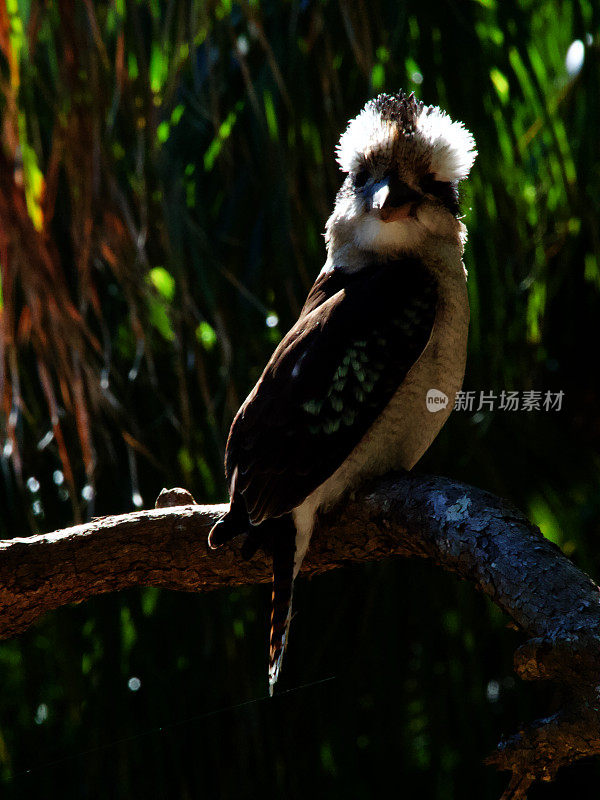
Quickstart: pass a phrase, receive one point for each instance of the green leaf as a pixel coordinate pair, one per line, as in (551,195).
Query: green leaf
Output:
(542,515)
(271,116)
(159,68)
(500,84)
(206,335)
(128,632)
(223,134)
(149,600)
(162,132)
(377,77)
(163,282)
(132,66)
(177,114)
(159,319)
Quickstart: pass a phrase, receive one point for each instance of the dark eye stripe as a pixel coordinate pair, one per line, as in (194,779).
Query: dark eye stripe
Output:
(443,190)
(430,185)
(361,177)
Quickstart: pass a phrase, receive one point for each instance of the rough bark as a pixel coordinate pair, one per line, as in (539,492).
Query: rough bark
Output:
(463,529)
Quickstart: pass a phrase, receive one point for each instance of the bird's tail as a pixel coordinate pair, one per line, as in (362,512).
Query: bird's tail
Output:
(277,536)
(284,550)
(235,523)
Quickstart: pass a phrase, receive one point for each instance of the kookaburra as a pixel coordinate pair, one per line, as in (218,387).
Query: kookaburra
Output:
(343,397)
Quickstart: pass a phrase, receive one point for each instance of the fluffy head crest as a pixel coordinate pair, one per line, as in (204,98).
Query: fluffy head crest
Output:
(398,122)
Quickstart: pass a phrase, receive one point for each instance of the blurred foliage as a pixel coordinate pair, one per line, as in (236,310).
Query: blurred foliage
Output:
(166,170)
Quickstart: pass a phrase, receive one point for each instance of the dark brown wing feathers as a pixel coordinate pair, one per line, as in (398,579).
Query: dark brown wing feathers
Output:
(328,380)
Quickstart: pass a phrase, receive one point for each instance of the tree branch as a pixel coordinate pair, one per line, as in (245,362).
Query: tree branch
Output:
(463,529)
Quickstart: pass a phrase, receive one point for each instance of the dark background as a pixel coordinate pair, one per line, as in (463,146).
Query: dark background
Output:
(166,171)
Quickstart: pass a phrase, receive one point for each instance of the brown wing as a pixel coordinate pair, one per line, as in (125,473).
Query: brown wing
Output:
(327,382)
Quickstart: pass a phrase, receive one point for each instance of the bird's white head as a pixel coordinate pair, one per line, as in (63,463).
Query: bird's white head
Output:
(404,161)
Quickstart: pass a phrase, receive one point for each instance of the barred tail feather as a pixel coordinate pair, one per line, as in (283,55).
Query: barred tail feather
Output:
(278,536)
(284,550)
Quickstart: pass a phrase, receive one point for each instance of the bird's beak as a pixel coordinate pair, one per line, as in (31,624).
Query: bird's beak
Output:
(392,199)
(379,194)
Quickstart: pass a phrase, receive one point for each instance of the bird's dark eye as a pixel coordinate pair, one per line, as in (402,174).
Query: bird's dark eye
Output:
(361,177)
